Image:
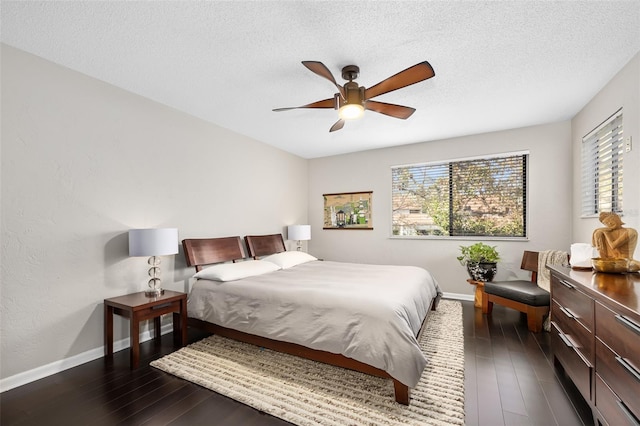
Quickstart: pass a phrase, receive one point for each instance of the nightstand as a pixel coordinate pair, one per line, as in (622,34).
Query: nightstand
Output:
(138,307)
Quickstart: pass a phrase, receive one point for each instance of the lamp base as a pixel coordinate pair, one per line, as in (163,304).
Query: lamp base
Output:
(154,292)
(155,285)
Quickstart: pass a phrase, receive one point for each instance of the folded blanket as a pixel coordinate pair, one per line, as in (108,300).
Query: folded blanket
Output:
(549,257)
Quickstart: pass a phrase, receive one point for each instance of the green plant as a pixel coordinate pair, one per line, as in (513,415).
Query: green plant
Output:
(478,253)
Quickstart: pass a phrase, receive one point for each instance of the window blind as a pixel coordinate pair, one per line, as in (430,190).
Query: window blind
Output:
(602,161)
(474,197)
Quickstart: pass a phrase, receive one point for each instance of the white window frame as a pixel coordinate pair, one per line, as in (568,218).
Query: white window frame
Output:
(525,154)
(602,159)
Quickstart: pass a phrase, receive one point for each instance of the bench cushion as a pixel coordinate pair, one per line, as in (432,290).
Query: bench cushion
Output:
(519,290)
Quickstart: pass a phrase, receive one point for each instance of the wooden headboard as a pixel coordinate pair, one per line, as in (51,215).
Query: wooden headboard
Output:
(264,245)
(205,251)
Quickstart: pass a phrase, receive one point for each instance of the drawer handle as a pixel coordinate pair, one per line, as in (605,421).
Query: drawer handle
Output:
(165,305)
(567,312)
(629,367)
(634,420)
(567,284)
(629,323)
(566,340)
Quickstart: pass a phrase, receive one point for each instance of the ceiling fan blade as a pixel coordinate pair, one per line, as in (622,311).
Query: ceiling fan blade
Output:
(411,75)
(325,103)
(337,126)
(320,69)
(392,110)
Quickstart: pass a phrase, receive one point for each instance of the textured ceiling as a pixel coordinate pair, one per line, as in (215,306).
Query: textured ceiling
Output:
(498,64)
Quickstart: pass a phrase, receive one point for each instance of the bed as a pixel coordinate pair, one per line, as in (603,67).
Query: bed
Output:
(338,313)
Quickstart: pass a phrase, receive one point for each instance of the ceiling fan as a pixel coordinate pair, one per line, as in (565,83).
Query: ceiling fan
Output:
(351,99)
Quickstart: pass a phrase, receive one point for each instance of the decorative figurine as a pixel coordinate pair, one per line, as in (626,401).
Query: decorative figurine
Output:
(615,242)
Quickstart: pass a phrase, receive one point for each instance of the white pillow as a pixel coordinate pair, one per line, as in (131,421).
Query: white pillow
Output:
(236,271)
(287,259)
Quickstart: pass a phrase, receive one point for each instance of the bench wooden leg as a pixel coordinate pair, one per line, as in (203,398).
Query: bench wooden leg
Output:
(487,306)
(535,317)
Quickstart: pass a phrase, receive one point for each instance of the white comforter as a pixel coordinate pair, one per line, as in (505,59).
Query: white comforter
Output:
(370,313)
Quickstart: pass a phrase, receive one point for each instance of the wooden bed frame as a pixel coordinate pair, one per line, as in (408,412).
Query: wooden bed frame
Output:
(202,252)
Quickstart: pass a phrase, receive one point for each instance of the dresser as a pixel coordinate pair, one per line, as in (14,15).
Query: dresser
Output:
(595,339)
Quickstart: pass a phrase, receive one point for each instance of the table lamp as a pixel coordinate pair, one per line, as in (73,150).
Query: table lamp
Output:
(299,233)
(154,243)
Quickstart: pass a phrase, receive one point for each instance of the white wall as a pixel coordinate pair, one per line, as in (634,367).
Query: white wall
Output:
(550,180)
(623,91)
(82,162)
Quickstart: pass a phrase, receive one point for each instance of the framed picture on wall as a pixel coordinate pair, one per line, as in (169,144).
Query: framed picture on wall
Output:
(348,210)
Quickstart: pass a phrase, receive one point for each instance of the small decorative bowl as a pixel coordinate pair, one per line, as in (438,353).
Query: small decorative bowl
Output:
(614,266)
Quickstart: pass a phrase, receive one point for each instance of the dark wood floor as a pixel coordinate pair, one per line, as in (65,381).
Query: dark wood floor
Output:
(509,377)
(509,380)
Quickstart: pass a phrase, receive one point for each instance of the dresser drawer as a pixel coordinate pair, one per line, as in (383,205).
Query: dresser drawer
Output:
(575,365)
(615,412)
(622,376)
(573,300)
(579,335)
(621,333)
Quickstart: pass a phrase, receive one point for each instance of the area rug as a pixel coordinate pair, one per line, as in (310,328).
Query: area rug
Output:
(306,392)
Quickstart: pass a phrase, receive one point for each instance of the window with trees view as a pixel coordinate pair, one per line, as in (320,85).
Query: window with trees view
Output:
(480,197)
(602,167)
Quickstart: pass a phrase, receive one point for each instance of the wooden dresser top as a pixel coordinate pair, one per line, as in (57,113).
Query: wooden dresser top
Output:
(615,290)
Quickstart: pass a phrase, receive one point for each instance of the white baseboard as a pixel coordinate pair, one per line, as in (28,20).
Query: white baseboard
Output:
(458,296)
(66,363)
(93,354)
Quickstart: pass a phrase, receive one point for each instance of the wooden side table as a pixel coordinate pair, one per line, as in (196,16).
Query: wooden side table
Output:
(138,307)
(477,301)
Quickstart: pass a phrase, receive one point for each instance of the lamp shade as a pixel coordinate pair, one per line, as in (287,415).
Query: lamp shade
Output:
(153,242)
(299,232)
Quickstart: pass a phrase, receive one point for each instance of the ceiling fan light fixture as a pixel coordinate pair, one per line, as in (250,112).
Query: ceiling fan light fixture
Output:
(352,99)
(351,111)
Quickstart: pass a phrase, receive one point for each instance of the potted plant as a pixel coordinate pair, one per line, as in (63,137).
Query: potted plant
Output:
(481,261)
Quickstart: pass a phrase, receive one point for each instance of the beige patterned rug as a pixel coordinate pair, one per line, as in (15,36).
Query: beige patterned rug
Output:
(306,392)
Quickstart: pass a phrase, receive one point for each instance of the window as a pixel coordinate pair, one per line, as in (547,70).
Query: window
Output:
(473,197)
(602,158)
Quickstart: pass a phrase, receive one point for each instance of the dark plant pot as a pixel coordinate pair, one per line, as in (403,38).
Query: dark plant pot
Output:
(483,271)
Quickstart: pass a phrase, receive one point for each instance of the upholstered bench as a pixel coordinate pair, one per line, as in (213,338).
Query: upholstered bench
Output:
(519,291)
(524,296)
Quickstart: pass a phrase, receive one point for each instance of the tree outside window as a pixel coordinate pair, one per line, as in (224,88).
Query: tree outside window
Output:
(478,197)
